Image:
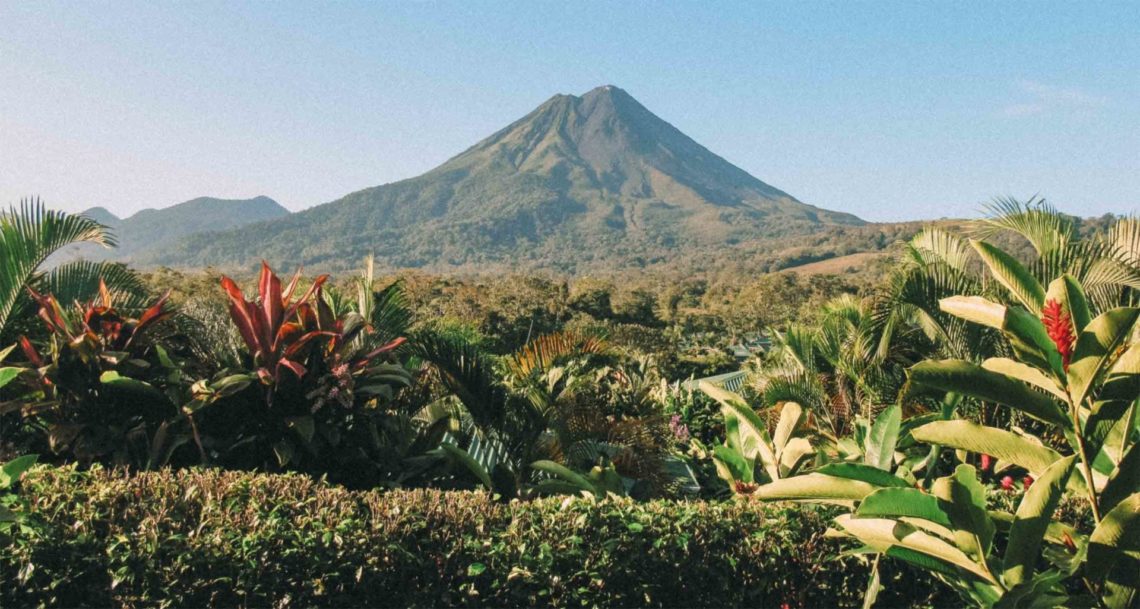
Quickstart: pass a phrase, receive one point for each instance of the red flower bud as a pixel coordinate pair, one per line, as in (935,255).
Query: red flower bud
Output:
(1007,483)
(1059,326)
(745,488)
(1027,482)
(987,462)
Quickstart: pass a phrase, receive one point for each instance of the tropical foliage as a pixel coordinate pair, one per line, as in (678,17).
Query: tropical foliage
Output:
(29,234)
(1072,371)
(973,415)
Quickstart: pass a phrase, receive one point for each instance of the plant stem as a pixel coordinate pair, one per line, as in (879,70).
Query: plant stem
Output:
(1085,464)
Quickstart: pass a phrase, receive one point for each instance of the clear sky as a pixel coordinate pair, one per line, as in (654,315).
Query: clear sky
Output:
(889,110)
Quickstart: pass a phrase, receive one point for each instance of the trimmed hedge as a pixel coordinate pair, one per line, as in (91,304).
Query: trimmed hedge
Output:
(222,539)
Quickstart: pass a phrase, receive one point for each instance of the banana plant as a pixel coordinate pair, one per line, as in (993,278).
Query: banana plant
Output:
(750,456)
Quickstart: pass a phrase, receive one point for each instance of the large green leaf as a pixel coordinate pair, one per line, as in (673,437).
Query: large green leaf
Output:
(1026,333)
(884,434)
(903,502)
(1026,373)
(732,466)
(1032,520)
(9,374)
(815,487)
(1004,445)
(752,431)
(963,499)
(865,473)
(796,453)
(11,471)
(1128,364)
(791,417)
(883,534)
(1124,481)
(462,457)
(1112,551)
(965,378)
(976,309)
(1043,591)
(1096,347)
(1011,274)
(1030,341)
(1104,423)
(566,474)
(134,390)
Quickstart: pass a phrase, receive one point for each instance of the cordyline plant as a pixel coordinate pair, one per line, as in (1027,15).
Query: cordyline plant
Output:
(273,326)
(324,375)
(1074,373)
(88,386)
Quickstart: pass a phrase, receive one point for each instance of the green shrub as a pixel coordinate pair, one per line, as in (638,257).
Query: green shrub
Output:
(212,538)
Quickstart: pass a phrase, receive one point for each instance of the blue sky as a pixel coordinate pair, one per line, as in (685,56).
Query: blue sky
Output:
(888,110)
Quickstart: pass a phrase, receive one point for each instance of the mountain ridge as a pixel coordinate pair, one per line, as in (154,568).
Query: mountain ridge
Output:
(579,182)
(151,227)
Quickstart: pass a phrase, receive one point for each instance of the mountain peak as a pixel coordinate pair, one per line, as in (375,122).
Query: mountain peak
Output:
(102,215)
(605,90)
(579,181)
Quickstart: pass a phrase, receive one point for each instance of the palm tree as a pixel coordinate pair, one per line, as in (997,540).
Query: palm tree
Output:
(29,234)
(837,369)
(1107,266)
(564,397)
(938,264)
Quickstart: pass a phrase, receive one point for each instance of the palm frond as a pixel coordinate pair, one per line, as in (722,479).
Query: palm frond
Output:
(1124,239)
(29,234)
(389,313)
(467,373)
(936,246)
(1040,223)
(546,351)
(78,281)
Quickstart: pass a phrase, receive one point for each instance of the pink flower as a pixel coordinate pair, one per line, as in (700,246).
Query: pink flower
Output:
(1007,483)
(987,462)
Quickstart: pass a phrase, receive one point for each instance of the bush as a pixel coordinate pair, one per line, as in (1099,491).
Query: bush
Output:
(212,538)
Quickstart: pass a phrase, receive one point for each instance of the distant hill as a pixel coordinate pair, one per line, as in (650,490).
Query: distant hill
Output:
(580,184)
(154,229)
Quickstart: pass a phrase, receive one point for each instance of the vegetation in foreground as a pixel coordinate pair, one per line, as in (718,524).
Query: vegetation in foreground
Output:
(957,410)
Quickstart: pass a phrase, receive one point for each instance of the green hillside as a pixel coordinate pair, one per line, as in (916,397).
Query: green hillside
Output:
(154,229)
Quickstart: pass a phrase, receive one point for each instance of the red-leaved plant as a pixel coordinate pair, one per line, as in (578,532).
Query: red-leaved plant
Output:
(275,328)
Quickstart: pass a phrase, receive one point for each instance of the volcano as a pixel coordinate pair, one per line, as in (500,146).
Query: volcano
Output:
(581,182)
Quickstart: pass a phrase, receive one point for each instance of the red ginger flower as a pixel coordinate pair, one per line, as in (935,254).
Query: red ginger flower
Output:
(1059,325)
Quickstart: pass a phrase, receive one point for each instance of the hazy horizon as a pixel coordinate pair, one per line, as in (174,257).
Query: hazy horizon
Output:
(888,111)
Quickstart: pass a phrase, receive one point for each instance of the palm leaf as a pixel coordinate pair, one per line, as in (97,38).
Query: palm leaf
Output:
(1046,229)
(29,234)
